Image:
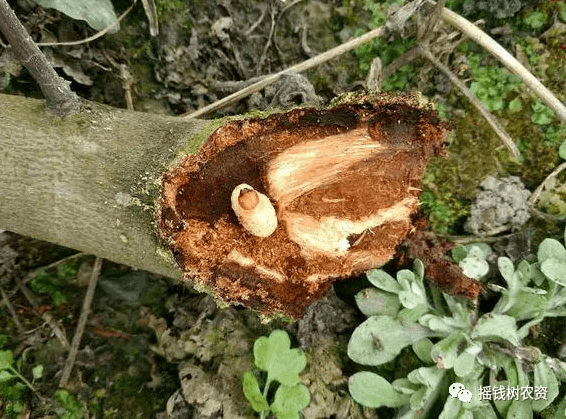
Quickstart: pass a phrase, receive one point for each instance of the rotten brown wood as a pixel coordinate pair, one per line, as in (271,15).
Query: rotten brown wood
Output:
(426,246)
(344,183)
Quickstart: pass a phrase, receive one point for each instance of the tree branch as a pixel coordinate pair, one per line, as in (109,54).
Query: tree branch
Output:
(61,100)
(87,302)
(88,181)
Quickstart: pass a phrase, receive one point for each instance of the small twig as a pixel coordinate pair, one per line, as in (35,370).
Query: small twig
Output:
(90,38)
(475,101)
(46,317)
(304,44)
(26,382)
(127,80)
(547,217)
(463,240)
(398,20)
(151,13)
(536,194)
(428,31)
(256,23)
(279,17)
(490,45)
(233,86)
(298,68)
(87,302)
(6,300)
(240,63)
(33,273)
(268,43)
(61,100)
(288,7)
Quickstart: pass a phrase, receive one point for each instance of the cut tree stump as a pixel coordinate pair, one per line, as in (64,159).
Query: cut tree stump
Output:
(271,212)
(322,194)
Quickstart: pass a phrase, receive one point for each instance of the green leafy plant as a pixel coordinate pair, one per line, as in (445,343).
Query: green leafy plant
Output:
(562,150)
(9,372)
(384,49)
(472,259)
(535,20)
(13,384)
(69,406)
(400,80)
(457,344)
(378,16)
(439,214)
(491,85)
(515,105)
(273,355)
(54,284)
(528,48)
(541,114)
(555,134)
(561,10)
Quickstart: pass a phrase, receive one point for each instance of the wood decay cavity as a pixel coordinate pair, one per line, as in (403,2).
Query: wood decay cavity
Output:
(343,183)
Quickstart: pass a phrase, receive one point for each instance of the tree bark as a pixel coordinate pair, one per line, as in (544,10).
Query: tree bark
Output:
(90,181)
(340,185)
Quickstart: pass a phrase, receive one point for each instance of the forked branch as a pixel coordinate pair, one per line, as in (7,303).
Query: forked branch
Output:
(61,100)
